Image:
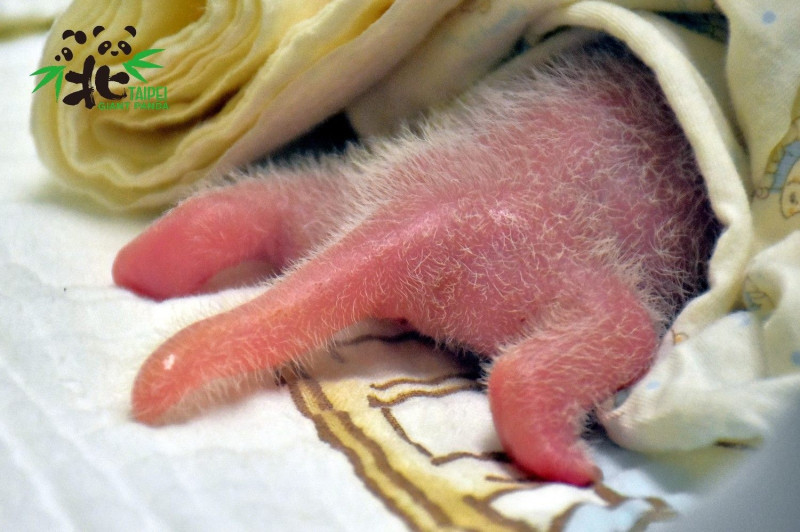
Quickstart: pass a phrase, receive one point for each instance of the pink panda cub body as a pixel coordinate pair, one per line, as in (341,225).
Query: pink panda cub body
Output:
(551,222)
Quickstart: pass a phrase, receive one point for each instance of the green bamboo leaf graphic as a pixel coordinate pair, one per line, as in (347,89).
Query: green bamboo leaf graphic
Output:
(137,62)
(51,72)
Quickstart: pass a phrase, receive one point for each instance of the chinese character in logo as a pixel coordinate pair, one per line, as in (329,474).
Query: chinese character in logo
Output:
(102,77)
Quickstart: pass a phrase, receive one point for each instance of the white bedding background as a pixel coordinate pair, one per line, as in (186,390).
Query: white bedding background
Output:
(70,344)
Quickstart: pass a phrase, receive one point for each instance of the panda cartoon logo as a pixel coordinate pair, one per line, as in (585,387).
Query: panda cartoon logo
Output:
(104,47)
(87,77)
(66,52)
(122,46)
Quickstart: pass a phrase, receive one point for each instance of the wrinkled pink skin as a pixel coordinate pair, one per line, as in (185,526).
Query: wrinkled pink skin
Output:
(484,234)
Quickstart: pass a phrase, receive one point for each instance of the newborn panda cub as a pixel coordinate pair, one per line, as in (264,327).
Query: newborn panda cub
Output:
(551,222)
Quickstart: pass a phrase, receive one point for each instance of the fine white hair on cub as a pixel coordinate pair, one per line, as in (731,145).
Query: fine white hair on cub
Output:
(380,172)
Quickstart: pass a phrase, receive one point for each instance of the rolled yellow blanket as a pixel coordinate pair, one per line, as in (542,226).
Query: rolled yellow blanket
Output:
(232,81)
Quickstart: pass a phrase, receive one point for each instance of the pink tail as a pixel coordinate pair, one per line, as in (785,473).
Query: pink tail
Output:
(541,389)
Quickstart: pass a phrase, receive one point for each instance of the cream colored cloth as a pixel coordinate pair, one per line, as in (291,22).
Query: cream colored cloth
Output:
(244,77)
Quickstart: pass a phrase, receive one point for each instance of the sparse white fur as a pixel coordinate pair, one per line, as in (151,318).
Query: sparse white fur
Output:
(378,172)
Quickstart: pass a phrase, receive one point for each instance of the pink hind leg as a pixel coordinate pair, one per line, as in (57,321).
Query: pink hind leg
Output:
(266,223)
(541,388)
